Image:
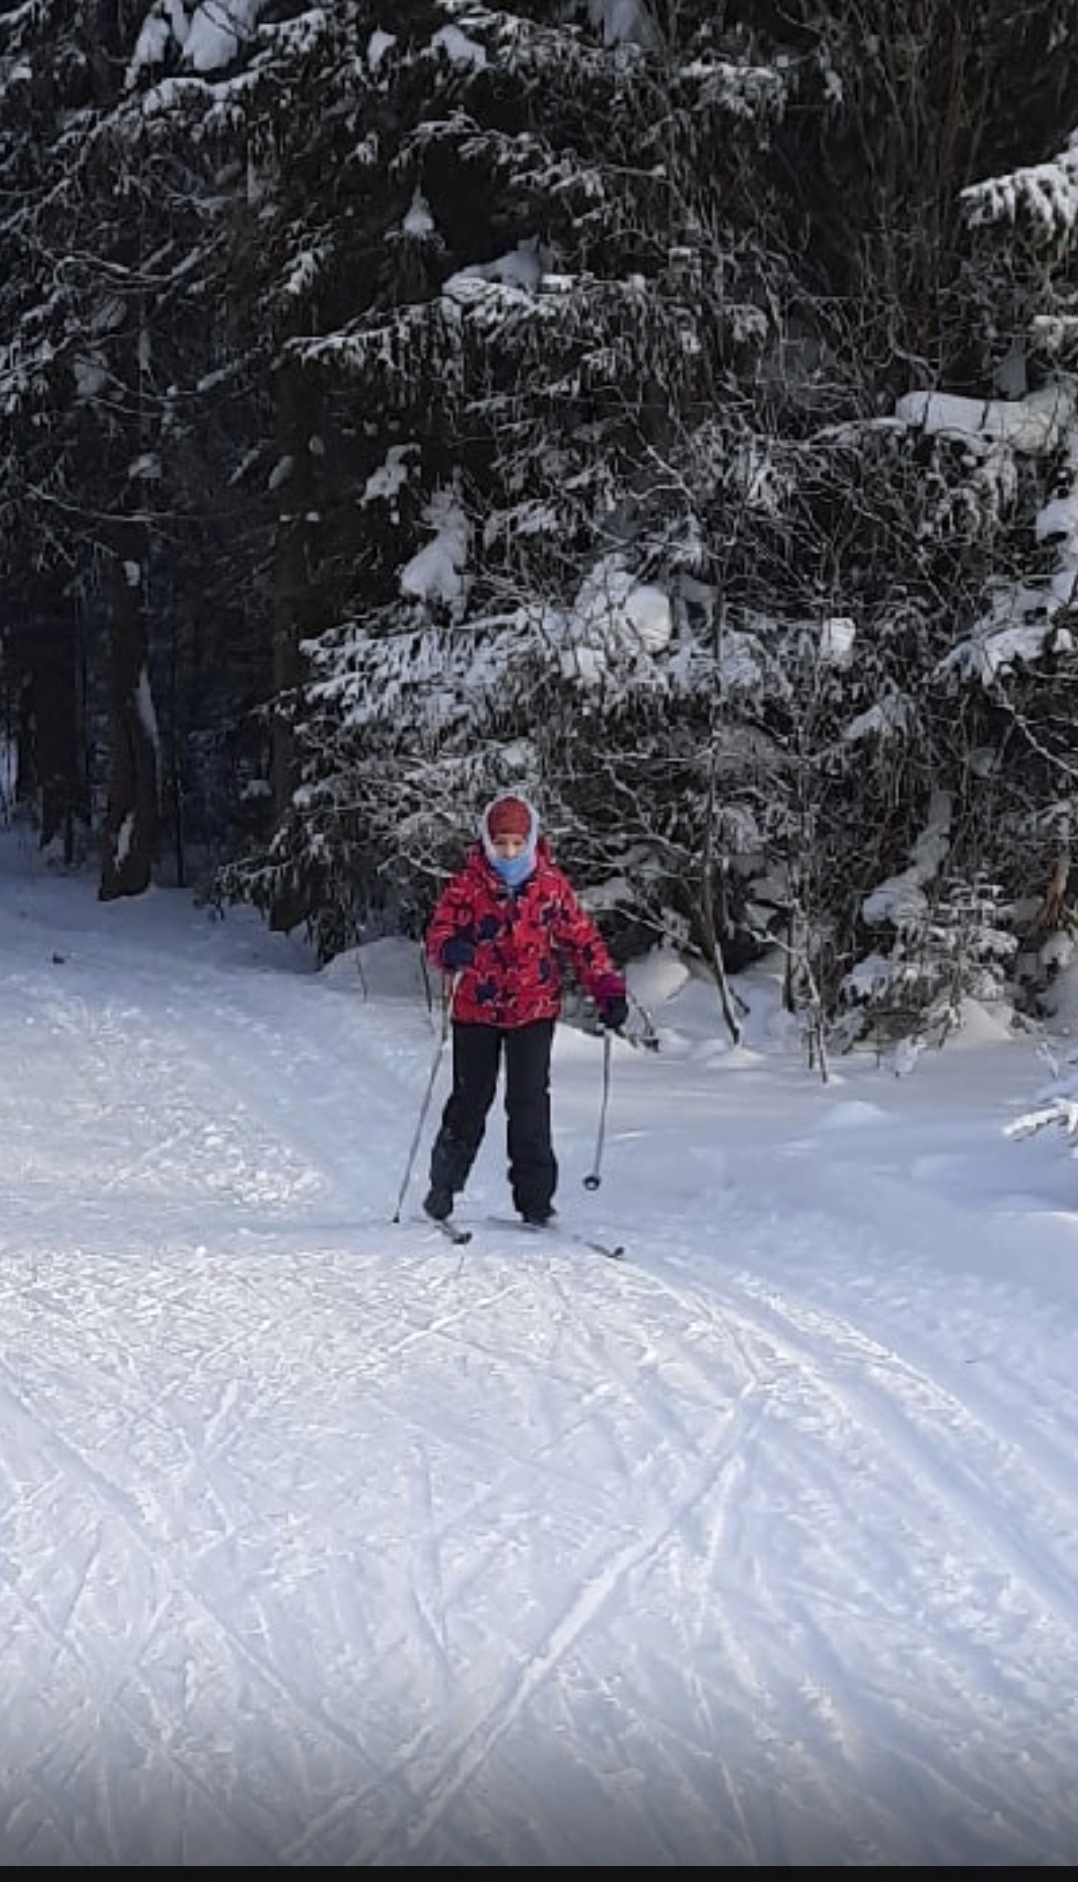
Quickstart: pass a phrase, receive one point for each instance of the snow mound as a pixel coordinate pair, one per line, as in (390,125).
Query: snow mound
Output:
(853,1114)
(982,1025)
(389,969)
(660,976)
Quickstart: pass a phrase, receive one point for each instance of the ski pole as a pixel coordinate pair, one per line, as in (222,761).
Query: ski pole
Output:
(649,1037)
(593,1179)
(428,1094)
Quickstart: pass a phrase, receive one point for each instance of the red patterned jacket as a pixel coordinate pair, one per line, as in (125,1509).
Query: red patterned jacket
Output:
(524,940)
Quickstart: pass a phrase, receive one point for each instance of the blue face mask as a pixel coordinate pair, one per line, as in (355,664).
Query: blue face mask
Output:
(514,870)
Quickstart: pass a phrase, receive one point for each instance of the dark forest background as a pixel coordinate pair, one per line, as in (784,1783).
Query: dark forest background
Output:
(665,408)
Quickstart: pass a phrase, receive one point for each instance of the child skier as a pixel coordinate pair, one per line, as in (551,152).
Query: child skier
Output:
(504,927)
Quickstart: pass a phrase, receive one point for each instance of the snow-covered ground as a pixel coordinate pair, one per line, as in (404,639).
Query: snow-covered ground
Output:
(323,1541)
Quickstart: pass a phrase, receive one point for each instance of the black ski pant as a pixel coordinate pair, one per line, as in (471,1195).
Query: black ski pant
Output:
(477,1054)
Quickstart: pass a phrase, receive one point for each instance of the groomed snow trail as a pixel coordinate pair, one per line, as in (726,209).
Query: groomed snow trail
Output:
(325,1542)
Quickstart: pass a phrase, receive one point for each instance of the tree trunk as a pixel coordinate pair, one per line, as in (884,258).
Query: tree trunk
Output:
(290,572)
(292,600)
(51,744)
(130,829)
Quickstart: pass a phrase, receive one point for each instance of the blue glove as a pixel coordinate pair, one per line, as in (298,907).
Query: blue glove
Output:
(610,1002)
(457,952)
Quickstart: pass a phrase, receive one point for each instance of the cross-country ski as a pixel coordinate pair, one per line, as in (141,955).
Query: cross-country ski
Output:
(557,1230)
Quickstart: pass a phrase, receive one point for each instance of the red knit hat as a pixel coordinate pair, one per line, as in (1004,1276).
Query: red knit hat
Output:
(509,816)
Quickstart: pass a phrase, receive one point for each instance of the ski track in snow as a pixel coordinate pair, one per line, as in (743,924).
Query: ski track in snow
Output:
(326,1542)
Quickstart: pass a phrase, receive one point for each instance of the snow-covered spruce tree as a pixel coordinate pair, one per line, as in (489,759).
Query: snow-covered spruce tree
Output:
(981,719)
(76,344)
(119,340)
(559,291)
(42,77)
(1006,685)
(896,106)
(621,521)
(1022,655)
(303,108)
(272,98)
(903,527)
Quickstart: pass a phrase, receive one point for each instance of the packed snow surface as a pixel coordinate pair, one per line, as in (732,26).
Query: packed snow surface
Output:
(324,1541)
